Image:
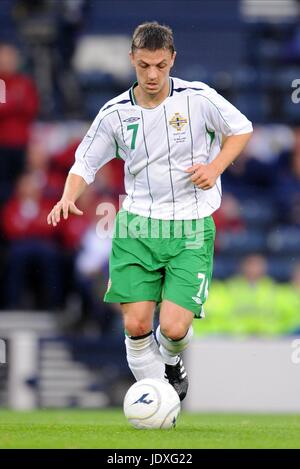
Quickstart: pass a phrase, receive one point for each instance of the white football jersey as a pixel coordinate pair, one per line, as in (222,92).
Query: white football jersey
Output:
(158,145)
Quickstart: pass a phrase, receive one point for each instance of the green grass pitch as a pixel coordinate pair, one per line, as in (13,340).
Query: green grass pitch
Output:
(109,429)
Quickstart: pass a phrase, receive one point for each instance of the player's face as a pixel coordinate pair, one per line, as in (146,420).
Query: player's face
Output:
(152,69)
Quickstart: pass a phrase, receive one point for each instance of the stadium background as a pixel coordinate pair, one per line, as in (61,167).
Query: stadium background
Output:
(64,347)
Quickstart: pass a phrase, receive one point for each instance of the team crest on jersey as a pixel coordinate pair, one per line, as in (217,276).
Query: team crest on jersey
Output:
(131,119)
(178,121)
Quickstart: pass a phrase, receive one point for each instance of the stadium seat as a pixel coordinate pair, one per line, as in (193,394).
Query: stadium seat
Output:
(104,53)
(285,77)
(280,268)
(291,109)
(246,78)
(242,242)
(258,212)
(252,104)
(95,79)
(269,51)
(95,100)
(284,240)
(224,266)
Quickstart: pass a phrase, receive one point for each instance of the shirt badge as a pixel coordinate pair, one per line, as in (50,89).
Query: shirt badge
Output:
(178,121)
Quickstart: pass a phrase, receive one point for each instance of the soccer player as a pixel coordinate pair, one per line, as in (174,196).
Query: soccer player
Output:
(176,138)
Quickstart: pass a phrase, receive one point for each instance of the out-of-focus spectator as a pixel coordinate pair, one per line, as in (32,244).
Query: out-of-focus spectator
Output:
(288,186)
(228,218)
(217,320)
(70,234)
(110,180)
(244,304)
(63,160)
(254,172)
(88,247)
(49,179)
(288,301)
(71,15)
(234,179)
(32,252)
(248,177)
(291,51)
(253,299)
(16,117)
(49,29)
(71,231)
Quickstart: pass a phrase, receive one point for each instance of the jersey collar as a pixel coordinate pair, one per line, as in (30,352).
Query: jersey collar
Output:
(131,92)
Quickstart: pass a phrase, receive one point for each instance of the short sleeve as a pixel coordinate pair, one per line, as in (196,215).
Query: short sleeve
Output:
(222,116)
(97,148)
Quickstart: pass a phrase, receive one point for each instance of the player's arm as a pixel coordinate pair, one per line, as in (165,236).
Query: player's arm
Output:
(74,187)
(205,176)
(221,117)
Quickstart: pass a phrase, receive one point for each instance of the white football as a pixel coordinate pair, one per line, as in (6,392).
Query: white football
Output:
(151,403)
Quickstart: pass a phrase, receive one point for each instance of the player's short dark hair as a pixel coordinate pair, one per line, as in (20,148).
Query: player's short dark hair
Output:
(152,36)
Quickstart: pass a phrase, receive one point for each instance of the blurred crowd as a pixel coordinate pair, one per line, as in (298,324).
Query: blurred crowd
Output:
(257,269)
(42,266)
(251,302)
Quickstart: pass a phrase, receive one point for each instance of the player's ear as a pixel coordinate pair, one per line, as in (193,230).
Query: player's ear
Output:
(131,57)
(173,58)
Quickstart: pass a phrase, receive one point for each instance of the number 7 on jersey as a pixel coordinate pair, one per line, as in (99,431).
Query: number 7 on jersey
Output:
(134,128)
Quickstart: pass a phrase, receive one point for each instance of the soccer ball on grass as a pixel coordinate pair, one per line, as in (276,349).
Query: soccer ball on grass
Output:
(151,403)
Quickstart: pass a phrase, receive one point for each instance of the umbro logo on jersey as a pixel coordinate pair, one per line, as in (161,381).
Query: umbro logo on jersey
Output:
(131,119)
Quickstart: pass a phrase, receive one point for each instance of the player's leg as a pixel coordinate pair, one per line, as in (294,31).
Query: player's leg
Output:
(173,335)
(135,283)
(142,352)
(175,330)
(187,279)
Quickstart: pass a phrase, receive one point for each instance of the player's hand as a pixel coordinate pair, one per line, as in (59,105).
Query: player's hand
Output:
(63,207)
(204,176)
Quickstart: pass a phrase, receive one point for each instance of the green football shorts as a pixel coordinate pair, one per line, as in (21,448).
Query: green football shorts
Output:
(159,260)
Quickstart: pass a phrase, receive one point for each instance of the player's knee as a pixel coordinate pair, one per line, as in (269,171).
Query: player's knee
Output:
(136,327)
(174,331)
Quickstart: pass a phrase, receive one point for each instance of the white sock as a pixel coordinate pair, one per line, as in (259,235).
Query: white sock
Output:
(143,358)
(167,357)
(169,348)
